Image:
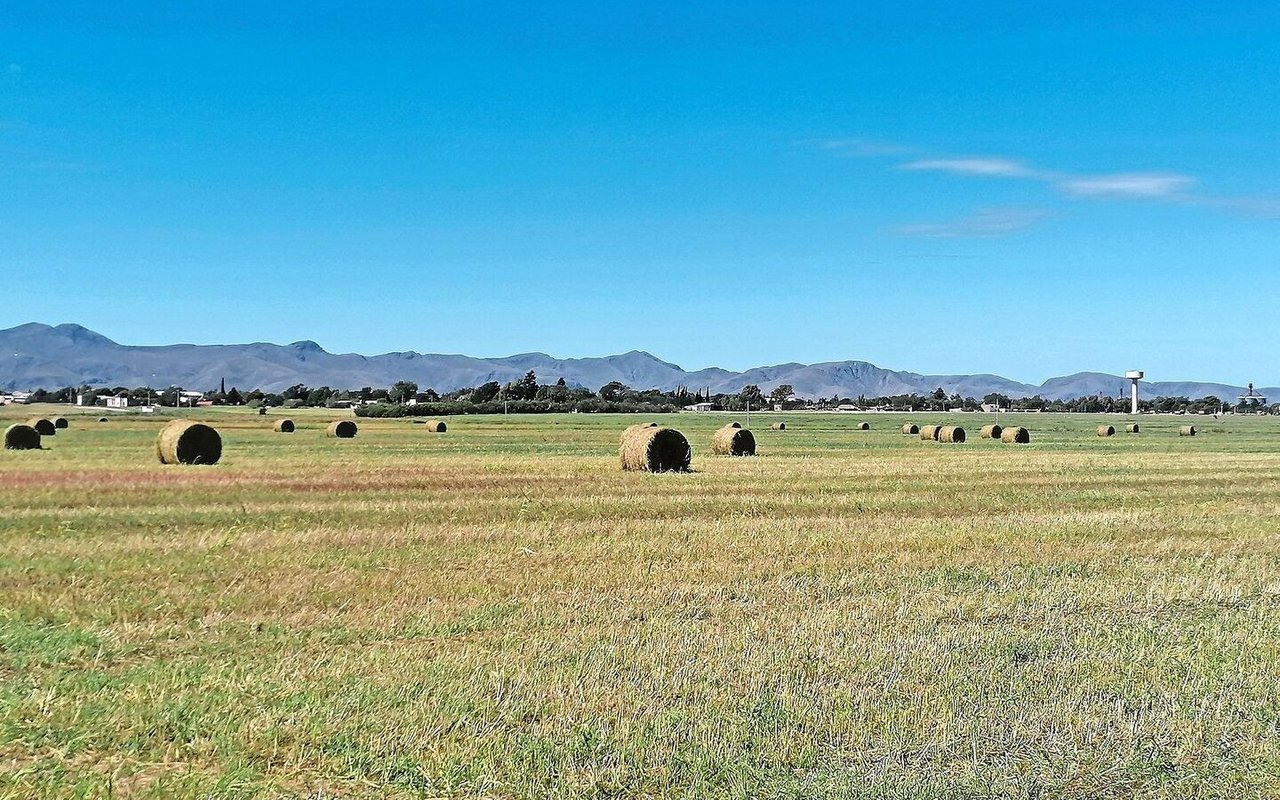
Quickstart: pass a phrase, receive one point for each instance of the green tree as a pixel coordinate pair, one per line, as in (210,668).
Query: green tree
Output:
(485,392)
(751,394)
(402,391)
(612,391)
(782,393)
(234,397)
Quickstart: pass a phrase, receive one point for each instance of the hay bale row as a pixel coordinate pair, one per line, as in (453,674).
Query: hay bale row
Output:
(341,429)
(283,426)
(1015,436)
(929,433)
(185,442)
(44,427)
(992,431)
(952,434)
(1106,430)
(650,448)
(733,440)
(21,437)
(910,429)
(778,426)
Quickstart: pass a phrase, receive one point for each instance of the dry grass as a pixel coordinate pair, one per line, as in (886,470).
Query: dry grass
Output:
(500,612)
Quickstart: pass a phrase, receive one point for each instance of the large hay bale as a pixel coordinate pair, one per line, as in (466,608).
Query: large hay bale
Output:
(185,442)
(862,426)
(60,423)
(929,433)
(733,441)
(1132,427)
(992,431)
(283,426)
(341,429)
(43,427)
(1187,430)
(437,426)
(1106,430)
(21,437)
(779,426)
(910,429)
(1016,436)
(952,434)
(650,448)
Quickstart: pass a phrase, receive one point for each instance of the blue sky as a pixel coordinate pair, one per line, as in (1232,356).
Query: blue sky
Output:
(993,188)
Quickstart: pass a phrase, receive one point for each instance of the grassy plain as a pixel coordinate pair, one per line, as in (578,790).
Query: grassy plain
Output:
(499,611)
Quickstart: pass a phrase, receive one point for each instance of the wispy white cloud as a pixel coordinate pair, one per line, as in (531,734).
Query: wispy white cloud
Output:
(1139,185)
(1158,187)
(984,224)
(991,167)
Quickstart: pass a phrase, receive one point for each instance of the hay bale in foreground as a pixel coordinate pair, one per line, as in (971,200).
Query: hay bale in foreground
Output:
(650,448)
(929,433)
(43,427)
(1132,428)
(21,437)
(1187,430)
(283,426)
(952,434)
(1016,436)
(910,429)
(992,431)
(341,429)
(185,442)
(437,426)
(1106,430)
(733,440)
(779,426)
(61,423)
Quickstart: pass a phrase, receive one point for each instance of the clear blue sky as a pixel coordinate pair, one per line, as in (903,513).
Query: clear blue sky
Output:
(939,187)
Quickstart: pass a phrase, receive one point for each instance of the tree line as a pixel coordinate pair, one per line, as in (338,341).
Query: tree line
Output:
(527,395)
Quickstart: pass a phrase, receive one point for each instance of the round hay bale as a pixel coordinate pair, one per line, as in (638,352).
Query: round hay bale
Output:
(1132,427)
(650,448)
(341,429)
(61,423)
(910,429)
(952,434)
(185,442)
(733,441)
(929,433)
(992,431)
(862,426)
(103,419)
(43,427)
(1106,430)
(437,426)
(1187,430)
(21,437)
(1016,436)
(283,426)
(779,426)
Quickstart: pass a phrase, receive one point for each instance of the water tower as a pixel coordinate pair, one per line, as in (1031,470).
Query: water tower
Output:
(1134,375)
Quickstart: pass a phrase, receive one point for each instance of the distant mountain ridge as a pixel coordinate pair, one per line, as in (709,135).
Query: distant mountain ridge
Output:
(37,355)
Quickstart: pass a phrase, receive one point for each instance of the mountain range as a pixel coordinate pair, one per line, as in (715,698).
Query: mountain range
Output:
(35,355)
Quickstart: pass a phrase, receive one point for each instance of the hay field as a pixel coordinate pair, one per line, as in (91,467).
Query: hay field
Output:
(500,611)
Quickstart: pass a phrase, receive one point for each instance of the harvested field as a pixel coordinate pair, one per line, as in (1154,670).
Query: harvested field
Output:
(502,612)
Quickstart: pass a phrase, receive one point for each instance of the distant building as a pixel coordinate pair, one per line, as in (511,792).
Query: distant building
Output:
(117,402)
(699,407)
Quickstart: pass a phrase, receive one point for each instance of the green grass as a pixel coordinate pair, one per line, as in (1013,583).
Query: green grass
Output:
(499,611)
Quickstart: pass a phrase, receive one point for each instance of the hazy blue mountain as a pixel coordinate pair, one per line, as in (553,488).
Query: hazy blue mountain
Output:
(36,355)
